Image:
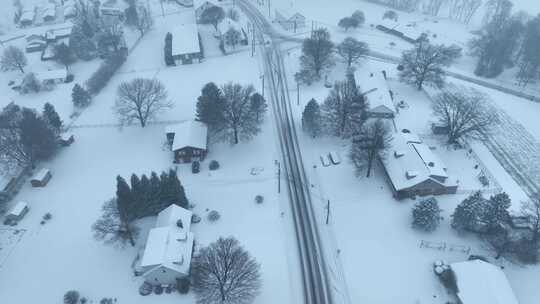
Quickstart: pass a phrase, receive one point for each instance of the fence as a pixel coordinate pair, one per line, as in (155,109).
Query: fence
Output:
(443,246)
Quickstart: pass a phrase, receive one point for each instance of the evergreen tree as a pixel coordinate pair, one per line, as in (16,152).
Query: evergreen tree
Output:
(154,190)
(258,106)
(137,194)
(495,213)
(529,65)
(177,190)
(166,195)
(64,55)
(37,139)
(426,215)
(145,189)
(351,50)
(169,60)
(52,118)
(80,97)
(468,213)
(311,118)
(210,106)
(124,200)
(348,22)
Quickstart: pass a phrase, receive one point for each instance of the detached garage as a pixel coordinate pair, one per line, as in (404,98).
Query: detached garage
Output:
(41,178)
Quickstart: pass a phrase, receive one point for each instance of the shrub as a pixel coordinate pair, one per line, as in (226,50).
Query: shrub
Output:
(105,72)
(69,78)
(213,216)
(526,251)
(71,297)
(182,285)
(195,218)
(158,289)
(47,216)
(30,84)
(426,215)
(259,199)
(392,15)
(168,289)
(448,279)
(145,289)
(214,165)
(195,167)
(84,300)
(106,301)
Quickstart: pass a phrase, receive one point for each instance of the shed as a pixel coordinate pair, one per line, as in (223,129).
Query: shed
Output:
(17,212)
(49,13)
(480,282)
(41,178)
(189,141)
(27,18)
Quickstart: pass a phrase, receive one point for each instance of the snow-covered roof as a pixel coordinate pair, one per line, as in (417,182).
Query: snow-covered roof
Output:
(18,208)
(49,10)
(480,282)
(185,39)
(288,16)
(52,75)
(405,166)
(168,247)
(41,174)
(411,138)
(379,100)
(169,217)
(434,164)
(27,16)
(189,134)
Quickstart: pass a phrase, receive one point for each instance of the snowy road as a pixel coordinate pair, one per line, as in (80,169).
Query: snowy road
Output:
(314,270)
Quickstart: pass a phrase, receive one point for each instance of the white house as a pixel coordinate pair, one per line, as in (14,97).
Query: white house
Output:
(377,92)
(185,44)
(169,247)
(290,21)
(413,169)
(224,26)
(479,282)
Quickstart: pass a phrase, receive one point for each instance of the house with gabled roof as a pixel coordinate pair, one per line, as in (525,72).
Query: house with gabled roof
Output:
(412,169)
(169,247)
(188,141)
(377,92)
(290,21)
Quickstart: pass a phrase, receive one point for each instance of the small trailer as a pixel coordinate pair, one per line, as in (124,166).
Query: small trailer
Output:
(17,212)
(41,178)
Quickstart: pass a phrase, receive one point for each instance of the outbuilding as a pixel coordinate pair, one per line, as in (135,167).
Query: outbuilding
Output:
(290,22)
(27,18)
(41,178)
(17,212)
(188,141)
(186,45)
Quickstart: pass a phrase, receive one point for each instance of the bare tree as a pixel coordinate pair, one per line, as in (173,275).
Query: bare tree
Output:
(373,140)
(317,55)
(531,211)
(144,21)
(212,15)
(13,58)
(142,100)
(424,63)
(225,273)
(351,50)
(344,110)
(432,7)
(112,227)
(463,10)
(464,112)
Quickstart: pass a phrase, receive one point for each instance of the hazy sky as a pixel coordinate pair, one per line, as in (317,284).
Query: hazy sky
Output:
(530,6)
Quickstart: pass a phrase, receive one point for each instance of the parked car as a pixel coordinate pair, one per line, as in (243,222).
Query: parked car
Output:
(334,158)
(325,161)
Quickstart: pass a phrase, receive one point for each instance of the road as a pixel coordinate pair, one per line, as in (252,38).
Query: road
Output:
(314,271)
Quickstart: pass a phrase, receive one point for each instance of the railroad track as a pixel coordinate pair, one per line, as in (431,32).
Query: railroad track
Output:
(313,268)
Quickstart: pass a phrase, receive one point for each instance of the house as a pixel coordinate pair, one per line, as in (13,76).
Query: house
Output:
(290,21)
(169,247)
(17,212)
(188,141)
(223,28)
(406,32)
(376,91)
(112,8)
(41,178)
(201,7)
(55,35)
(27,18)
(413,169)
(35,43)
(11,182)
(186,46)
(49,13)
(479,282)
(52,76)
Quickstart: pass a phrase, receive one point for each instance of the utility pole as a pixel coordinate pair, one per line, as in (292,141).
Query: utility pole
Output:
(262,79)
(297,92)
(162,10)
(279,177)
(269,10)
(253,40)
(327,212)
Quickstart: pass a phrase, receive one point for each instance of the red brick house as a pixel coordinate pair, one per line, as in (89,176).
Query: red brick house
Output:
(188,141)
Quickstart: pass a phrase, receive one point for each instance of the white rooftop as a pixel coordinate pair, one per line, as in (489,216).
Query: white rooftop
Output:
(18,208)
(379,100)
(41,174)
(479,282)
(189,134)
(228,23)
(168,247)
(27,16)
(169,217)
(406,167)
(185,39)
(52,74)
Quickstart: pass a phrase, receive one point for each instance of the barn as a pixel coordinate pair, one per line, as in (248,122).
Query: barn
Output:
(188,141)
(186,45)
(413,169)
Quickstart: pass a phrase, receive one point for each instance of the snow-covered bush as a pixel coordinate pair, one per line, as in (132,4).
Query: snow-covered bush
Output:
(390,14)
(195,218)
(214,165)
(259,199)
(71,297)
(30,84)
(213,216)
(47,216)
(426,215)
(195,167)
(468,213)
(145,289)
